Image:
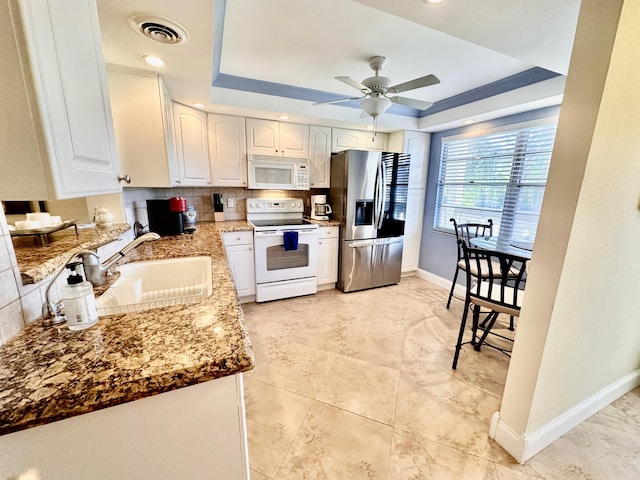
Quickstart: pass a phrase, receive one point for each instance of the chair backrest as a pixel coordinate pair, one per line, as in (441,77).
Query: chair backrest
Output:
(501,279)
(465,231)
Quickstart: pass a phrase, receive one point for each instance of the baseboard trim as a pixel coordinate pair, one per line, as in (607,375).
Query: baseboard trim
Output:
(459,291)
(523,447)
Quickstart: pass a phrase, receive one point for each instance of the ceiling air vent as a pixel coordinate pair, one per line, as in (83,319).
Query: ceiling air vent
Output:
(159,29)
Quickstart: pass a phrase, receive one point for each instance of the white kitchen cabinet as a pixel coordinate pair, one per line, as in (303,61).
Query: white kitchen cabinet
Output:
(227,150)
(342,139)
(320,156)
(143,121)
(240,255)
(417,145)
(192,146)
(56,129)
(328,248)
(268,137)
(196,432)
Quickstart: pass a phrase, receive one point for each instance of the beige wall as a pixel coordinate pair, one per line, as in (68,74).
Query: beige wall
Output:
(578,334)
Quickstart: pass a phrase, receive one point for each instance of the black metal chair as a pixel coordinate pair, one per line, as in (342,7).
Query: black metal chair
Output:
(466,231)
(497,288)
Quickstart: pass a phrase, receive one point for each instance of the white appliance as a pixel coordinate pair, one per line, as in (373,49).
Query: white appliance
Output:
(278,173)
(283,270)
(320,209)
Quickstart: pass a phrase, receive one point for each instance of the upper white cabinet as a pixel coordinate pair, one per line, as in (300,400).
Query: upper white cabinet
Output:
(342,139)
(192,146)
(56,128)
(143,122)
(320,156)
(268,137)
(416,144)
(227,150)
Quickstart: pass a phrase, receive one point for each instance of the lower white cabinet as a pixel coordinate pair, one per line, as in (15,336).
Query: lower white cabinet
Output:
(240,255)
(328,248)
(196,432)
(413,229)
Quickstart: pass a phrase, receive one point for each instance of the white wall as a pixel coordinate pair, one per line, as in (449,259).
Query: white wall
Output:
(577,343)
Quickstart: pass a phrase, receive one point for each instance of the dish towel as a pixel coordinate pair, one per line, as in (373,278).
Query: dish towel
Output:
(290,241)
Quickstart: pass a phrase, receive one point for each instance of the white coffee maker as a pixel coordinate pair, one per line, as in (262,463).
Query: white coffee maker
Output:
(320,209)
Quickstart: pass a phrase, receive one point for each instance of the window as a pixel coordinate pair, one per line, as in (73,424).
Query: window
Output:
(500,175)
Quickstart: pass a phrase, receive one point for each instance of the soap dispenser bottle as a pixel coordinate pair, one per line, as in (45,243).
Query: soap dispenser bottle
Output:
(79,301)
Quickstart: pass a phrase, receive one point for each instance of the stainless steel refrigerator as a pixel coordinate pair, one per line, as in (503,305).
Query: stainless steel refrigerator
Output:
(368,196)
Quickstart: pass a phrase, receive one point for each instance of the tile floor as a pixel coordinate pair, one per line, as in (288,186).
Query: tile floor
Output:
(360,386)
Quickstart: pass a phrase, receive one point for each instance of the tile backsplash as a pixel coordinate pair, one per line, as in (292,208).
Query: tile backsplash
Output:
(135,206)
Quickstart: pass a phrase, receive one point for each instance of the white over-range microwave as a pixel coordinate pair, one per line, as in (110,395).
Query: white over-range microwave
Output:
(278,173)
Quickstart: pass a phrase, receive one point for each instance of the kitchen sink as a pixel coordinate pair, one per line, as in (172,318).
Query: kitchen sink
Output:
(157,283)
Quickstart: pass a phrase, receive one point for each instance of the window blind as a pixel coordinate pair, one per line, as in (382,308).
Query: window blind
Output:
(500,175)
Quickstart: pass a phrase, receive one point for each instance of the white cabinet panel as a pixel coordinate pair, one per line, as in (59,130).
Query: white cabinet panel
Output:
(320,156)
(328,248)
(268,137)
(143,122)
(192,150)
(342,139)
(240,255)
(413,229)
(68,97)
(227,150)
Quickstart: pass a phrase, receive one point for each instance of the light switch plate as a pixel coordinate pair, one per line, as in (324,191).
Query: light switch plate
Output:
(231,202)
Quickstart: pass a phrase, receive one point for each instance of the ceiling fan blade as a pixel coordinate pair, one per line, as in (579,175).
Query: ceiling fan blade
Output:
(415,83)
(353,83)
(339,100)
(411,102)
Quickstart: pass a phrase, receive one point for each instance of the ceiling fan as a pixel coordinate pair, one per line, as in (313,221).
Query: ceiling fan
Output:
(375,90)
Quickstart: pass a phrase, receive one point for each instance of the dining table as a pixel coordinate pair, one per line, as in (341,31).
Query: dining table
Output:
(518,248)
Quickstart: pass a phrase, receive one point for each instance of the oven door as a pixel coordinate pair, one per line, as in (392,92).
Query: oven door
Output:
(274,263)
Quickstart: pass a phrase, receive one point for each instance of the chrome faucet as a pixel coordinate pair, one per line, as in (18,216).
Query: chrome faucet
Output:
(94,270)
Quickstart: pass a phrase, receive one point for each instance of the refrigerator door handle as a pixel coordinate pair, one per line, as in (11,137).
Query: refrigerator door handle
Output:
(383,186)
(379,199)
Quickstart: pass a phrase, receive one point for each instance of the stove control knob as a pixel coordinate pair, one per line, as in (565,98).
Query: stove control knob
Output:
(251,205)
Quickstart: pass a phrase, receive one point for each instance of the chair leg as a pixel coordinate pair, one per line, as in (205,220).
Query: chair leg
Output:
(511,323)
(453,285)
(463,323)
(493,316)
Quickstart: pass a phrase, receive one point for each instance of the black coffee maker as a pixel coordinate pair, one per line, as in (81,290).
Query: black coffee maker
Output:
(165,216)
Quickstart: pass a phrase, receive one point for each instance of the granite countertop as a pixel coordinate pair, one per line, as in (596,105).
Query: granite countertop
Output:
(324,223)
(38,262)
(49,374)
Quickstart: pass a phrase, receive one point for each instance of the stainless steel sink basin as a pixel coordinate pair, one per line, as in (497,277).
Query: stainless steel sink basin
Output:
(158,283)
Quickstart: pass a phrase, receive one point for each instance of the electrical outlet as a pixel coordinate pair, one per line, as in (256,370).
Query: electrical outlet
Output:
(231,202)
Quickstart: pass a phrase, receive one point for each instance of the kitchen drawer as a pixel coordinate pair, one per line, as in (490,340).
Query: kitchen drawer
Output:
(237,238)
(328,232)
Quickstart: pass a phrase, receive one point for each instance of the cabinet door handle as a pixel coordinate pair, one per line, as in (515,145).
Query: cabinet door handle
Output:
(124,177)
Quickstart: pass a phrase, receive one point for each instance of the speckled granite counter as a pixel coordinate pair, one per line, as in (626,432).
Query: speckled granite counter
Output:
(36,263)
(324,223)
(48,375)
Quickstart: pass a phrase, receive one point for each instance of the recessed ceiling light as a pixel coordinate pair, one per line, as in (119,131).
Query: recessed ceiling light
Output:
(433,2)
(198,105)
(155,61)
(469,121)
(283,117)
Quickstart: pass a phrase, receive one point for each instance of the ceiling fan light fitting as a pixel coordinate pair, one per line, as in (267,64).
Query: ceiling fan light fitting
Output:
(375,105)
